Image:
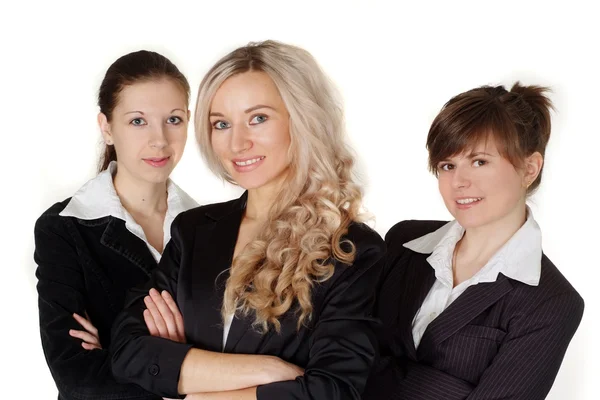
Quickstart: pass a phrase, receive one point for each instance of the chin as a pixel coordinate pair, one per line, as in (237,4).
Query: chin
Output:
(250,184)
(156,177)
(474,220)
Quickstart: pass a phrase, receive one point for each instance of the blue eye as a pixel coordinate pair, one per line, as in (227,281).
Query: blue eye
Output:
(258,119)
(174,120)
(137,122)
(220,125)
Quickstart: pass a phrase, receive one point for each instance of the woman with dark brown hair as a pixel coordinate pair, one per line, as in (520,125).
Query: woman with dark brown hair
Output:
(473,309)
(91,248)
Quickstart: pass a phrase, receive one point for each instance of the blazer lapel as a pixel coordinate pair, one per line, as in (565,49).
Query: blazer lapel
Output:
(239,327)
(475,300)
(419,279)
(117,238)
(213,253)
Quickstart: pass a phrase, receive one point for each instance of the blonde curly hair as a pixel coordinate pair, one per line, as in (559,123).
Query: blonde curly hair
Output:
(307,222)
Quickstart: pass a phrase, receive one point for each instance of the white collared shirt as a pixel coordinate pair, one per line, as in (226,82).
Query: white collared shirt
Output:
(98,199)
(520,259)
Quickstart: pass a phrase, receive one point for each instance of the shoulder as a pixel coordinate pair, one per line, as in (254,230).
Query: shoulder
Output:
(365,239)
(50,220)
(407,230)
(369,253)
(188,220)
(553,299)
(554,284)
(53,233)
(552,278)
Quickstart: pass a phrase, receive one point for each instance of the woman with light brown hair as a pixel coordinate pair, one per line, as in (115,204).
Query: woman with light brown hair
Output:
(275,288)
(472,308)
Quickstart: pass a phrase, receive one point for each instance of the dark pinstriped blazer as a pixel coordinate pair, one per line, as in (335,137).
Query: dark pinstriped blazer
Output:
(498,340)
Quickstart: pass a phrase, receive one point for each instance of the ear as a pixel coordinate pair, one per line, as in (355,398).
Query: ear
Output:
(532,167)
(105,129)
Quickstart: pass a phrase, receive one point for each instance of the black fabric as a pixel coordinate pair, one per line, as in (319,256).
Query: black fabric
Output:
(336,349)
(85,266)
(498,340)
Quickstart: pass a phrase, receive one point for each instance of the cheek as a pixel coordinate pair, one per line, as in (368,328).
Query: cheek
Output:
(178,137)
(504,182)
(128,140)
(219,145)
(275,136)
(445,187)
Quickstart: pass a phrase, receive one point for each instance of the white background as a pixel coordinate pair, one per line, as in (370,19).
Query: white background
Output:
(395,65)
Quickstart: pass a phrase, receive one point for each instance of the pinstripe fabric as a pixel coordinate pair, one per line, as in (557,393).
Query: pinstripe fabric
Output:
(502,340)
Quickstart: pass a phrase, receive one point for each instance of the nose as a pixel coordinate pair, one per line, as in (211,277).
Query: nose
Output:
(461,178)
(158,137)
(240,139)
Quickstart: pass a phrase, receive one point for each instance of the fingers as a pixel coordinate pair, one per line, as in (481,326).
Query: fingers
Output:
(162,315)
(150,324)
(86,324)
(90,341)
(179,327)
(90,336)
(159,322)
(88,346)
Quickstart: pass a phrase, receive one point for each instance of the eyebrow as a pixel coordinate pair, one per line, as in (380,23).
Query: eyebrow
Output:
(141,112)
(471,155)
(249,110)
(480,153)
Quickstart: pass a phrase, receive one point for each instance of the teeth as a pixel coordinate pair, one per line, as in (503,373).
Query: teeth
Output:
(468,201)
(248,162)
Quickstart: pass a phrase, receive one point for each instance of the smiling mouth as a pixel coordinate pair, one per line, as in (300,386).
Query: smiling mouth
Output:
(469,200)
(248,162)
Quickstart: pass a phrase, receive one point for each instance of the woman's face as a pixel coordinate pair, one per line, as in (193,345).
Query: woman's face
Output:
(250,130)
(148,129)
(482,187)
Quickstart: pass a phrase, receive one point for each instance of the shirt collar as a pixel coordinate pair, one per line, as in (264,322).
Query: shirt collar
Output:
(520,258)
(98,199)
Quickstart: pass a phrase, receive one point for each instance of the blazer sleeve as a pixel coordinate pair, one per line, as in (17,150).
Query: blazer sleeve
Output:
(343,342)
(528,361)
(153,363)
(78,373)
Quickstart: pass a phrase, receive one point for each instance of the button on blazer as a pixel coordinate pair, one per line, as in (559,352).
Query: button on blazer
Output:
(337,348)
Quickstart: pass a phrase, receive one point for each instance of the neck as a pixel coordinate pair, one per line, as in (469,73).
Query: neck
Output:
(261,199)
(139,197)
(485,241)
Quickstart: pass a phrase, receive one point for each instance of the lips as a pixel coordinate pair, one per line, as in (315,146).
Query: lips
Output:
(247,164)
(464,203)
(157,162)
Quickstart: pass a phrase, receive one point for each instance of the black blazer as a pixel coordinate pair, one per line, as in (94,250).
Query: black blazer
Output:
(337,349)
(85,266)
(498,340)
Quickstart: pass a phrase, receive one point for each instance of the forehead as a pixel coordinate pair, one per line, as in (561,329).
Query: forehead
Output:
(150,95)
(246,90)
(487,144)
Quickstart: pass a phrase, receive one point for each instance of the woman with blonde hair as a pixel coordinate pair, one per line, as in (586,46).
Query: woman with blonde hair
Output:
(277,287)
